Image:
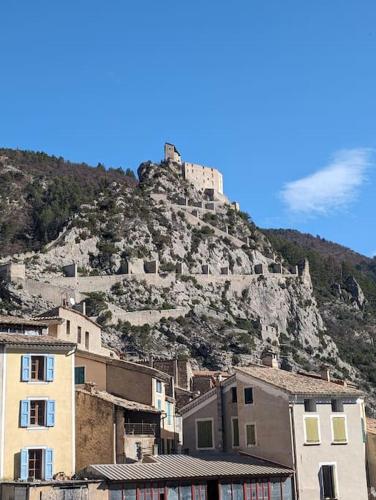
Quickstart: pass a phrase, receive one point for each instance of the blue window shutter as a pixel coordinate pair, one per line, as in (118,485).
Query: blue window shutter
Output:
(50,369)
(50,413)
(26,368)
(49,464)
(24,464)
(24,413)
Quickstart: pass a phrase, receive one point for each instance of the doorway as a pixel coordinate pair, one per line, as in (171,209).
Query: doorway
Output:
(213,490)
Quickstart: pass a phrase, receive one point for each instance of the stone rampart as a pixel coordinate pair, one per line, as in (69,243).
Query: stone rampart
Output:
(150,317)
(52,293)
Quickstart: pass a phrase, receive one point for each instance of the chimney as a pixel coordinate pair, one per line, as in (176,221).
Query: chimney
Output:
(325,373)
(270,358)
(90,387)
(84,307)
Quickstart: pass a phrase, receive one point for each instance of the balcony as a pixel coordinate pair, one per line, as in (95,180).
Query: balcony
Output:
(139,429)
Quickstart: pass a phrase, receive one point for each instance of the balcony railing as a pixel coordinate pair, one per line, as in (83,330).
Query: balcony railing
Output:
(138,429)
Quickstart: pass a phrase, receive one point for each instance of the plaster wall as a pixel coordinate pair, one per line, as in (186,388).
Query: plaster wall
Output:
(349,459)
(61,436)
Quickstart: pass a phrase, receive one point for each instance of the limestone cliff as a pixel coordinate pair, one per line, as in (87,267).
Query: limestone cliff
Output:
(169,270)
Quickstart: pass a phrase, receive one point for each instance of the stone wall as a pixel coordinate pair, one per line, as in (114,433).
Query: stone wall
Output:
(56,294)
(150,317)
(94,431)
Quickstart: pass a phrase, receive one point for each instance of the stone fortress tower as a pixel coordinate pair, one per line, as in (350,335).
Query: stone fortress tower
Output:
(205,179)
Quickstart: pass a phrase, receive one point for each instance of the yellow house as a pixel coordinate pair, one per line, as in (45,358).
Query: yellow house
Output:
(37,417)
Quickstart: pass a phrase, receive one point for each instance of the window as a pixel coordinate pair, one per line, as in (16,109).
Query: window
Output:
(204,434)
(169,413)
(79,375)
(339,430)
(234,395)
(337,406)
(37,413)
(235,432)
(37,368)
(327,479)
(68,327)
(79,335)
(250,434)
(36,463)
(309,405)
(159,404)
(158,386)
(312,430)
(248,395)
(86,340)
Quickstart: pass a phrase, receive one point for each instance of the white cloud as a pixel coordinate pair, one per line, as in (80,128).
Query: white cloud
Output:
(331,188)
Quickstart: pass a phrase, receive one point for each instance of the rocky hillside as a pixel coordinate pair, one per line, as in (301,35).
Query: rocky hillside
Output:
(218,289)
(344,284)
(38,194)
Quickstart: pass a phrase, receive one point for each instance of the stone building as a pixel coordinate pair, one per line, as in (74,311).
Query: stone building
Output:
(137,383)
(303,421)
(205,179)
(111,429)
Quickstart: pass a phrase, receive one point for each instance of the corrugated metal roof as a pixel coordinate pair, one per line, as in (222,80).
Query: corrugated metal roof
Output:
(16,320)
(33,340)
(173,467)
(124,403)
(296,383)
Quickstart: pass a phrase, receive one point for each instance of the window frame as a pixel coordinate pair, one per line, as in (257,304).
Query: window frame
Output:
(253,395)
(47,379)
(335,477)
(232,432)
(207,419)
(245,434)
(81,367)
(158,383)
(38,426)
(234,394)
(317,417)
(332,417)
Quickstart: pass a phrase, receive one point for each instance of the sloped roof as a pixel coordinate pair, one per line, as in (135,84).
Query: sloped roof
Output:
(16,320)
(124,403)
(34,340)
(175,467)
(296,383)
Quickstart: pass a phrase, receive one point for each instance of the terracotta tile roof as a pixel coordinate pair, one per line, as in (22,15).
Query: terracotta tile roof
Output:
(371,425)
(34,340)
(54,314)
(174,467)
(124,403)
(296,383)
(16,320)
(209,373)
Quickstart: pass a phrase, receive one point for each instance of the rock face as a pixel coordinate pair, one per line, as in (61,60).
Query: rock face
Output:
(357,295)
(165,246)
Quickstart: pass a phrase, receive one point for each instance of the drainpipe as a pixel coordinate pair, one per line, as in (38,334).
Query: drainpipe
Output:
(220,414)
(294,460)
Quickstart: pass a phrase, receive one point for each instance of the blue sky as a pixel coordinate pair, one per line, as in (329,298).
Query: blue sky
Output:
(280,96)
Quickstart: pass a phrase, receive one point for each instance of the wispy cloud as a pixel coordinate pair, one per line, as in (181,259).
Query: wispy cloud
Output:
(333,187)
